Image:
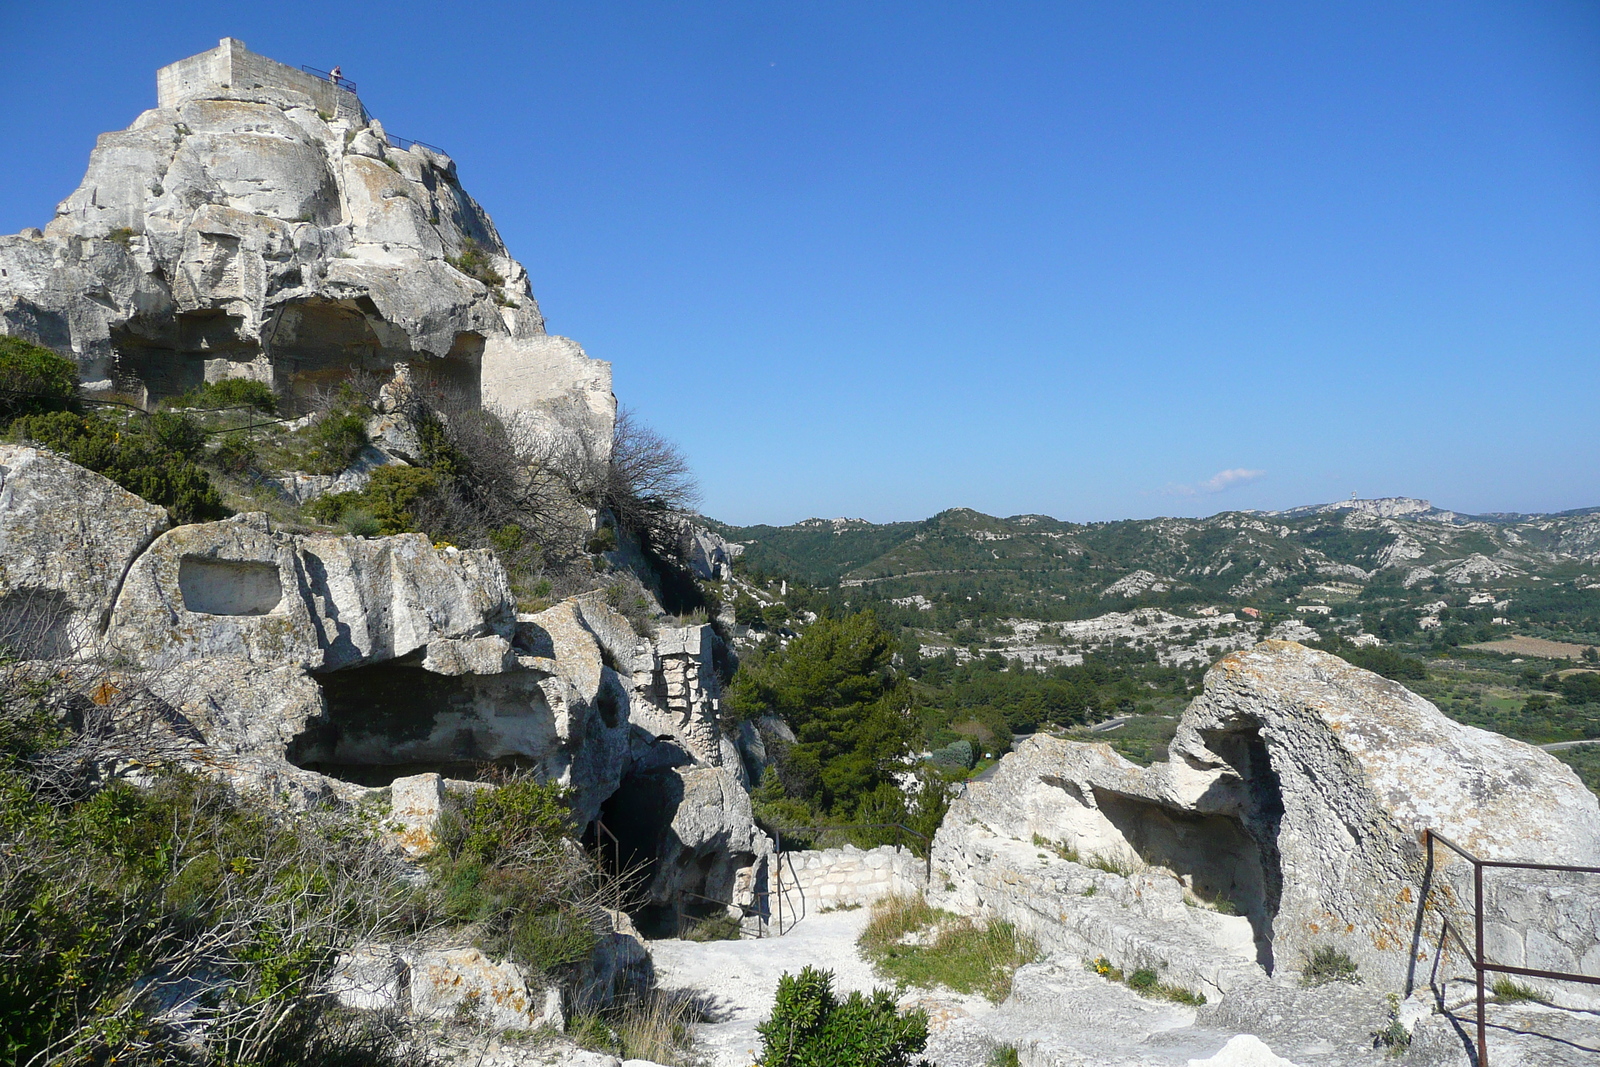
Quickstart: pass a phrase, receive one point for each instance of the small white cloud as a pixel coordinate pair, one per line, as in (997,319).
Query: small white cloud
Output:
(1229,478)
(1215,484)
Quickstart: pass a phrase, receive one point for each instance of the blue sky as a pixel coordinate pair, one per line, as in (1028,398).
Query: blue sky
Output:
(1094,260)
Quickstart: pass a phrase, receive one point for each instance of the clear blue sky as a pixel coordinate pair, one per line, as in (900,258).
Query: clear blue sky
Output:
(1095,260)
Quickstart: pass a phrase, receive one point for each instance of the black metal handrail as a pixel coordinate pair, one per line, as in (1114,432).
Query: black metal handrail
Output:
(406,144)
(1475,956)
(340,82)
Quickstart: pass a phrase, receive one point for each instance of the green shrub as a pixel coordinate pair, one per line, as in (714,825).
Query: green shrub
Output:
(474,263)
(1005,1056)
(958,753)
(236,454)
(359,522)
(508,539)
(230,393)
(503,865)
(389,502)
(520,814)
(151,457)
(34,380)
(334,441)
(603,540)
(1328,964)
(811,1027)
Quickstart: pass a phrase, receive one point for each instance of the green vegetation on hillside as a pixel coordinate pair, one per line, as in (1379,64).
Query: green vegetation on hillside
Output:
(117,902)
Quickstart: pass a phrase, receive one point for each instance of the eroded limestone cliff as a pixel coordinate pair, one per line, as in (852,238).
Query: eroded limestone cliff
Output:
(258,223)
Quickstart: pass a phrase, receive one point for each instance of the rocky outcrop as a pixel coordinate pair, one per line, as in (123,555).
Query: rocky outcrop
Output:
(318,669)
(239,589)
(1289,816)
(258,223)
(67,537)
(448,983)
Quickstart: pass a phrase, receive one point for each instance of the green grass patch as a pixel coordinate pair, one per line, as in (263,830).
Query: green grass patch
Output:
(1328,964)
(913,944)
(1508,990)
(713,928)
(1064,851)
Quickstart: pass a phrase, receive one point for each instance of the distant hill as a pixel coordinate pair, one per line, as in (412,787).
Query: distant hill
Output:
(1041,567)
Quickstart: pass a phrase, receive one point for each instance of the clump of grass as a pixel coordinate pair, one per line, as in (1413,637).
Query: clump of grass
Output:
(1113,863)
(1219,904)
(895,916)
(658,1028)
(1328,964)
(713,928)
(838,907)
(1004,1056)
(1146,982)
(1061,849)
(229,393)
(1508,990)
(958,953)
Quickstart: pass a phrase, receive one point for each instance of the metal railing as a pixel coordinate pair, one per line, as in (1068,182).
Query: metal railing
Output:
(1475,955)
(406,144)
(340,82)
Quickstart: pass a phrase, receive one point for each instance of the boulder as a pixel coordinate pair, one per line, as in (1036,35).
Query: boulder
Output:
(238,589)
(1289,816)
(67,538)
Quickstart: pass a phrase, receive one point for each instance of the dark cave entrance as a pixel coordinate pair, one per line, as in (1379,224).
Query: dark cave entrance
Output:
(391,720)
(1260,815)
(1215,855)
(637,821)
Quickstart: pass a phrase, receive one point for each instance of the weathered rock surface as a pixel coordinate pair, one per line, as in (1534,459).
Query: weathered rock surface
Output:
(258,223)
(1295,797)
(67,537)
(237,588)
(445,983)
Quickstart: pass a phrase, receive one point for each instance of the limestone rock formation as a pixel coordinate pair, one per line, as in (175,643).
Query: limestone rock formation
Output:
(67,537)
(258,223)
(317,669)
(237,588)
(1289,816)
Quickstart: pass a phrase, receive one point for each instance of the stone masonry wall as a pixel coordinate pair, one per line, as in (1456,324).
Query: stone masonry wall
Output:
(233,66)
(831,877)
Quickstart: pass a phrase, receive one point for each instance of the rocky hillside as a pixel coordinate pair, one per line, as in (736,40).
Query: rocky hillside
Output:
(1335,567)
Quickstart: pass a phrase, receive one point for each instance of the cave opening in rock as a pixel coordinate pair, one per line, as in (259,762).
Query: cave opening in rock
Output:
(390,720)
(1260,813)
(1214,854)
(637,834)
(317,344)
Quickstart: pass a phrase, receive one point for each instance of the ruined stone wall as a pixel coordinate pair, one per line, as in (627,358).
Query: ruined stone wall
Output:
(231,65)
(832,877)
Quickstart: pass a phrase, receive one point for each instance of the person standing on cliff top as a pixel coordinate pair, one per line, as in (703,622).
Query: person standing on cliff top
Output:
(336,75)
